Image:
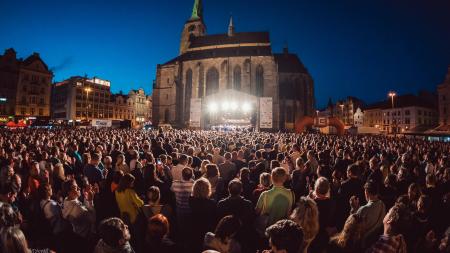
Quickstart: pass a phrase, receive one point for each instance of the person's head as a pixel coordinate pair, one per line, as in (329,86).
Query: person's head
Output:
(352,171)
(235,187)
(227,156)
(45,191)
(8,218)
(8,192)
(114,232)
(322,187)
(201,189)
(430,180)
(306,214)
(186,174)
(274,164)
(211,170)
(120,159)
(153,195)
(58,171)
(423,204)
(183,160)
(351,233)
(299,164)
(285,236)
(278,176)
(396,220)
(95,159)
(310,155)
(34,170)
(71,190)
(413,192)
(371,190)
(158,227)
(107,160)
(227,228)
(118,174)
(126,182)
(244,174)
(13,240)
(265,179)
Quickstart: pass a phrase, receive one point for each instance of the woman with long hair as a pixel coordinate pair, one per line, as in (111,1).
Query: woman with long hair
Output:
(128,201)
(217,182)
(306,214)
(13,241)
(348,240)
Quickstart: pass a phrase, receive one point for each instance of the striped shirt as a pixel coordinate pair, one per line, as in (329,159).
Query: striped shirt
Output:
(182,190)
(389,244)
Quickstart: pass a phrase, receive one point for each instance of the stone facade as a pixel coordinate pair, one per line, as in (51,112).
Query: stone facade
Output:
(142,106)
(25,86)
(210,64)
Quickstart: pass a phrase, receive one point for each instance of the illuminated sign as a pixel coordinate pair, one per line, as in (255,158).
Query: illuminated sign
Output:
(3,99)
(100,81)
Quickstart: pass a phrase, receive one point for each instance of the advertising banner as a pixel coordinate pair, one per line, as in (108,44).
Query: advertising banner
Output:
(265,112)
(195,112)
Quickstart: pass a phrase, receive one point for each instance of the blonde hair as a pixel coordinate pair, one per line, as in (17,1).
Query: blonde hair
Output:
(59,171)
(201,188)
(351,233)
(306,215)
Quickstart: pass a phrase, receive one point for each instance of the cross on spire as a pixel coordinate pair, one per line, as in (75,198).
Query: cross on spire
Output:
(197,10)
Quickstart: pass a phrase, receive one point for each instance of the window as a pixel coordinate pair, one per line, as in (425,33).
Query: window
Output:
(259,81)
(407,112)
(187,95)
(32,111)
(41,101)
(201,82)
(407,121)
(237,78)
(22,111)
(289,114)
(419,112)
(212,81)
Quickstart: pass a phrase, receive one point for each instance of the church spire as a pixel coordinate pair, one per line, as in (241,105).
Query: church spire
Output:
(197,10)
(231,27)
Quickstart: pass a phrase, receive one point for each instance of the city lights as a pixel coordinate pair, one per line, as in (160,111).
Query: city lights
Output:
(225,106)
(213,107)
(246,107)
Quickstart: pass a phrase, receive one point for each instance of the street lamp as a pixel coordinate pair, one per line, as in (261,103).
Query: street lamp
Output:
(87,100)
(392,94)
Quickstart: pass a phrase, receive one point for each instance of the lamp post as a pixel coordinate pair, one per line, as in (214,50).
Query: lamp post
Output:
(87,100)
(392,94)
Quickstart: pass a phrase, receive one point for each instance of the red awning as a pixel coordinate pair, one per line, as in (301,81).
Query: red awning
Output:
(11,124)
(21,124)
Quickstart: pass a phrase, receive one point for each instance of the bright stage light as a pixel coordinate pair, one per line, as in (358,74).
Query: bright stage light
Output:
(233,106)
(246,107)
(225,106)
(213,107)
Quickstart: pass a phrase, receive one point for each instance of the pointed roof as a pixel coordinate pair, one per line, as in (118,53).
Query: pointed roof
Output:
(231,27)
(197,10)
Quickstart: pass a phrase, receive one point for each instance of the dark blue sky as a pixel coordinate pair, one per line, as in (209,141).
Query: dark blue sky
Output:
(351,47)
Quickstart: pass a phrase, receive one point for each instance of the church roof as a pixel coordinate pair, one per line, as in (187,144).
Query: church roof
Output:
(224,39)
(289,63)
(408,100)
(223,52)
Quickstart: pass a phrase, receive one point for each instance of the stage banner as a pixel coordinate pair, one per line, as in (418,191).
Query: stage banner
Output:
(265,112)
(195,112)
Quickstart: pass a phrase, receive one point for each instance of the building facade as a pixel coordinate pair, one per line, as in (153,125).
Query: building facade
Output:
(82,99)
(142,106)
(346,109)
(408,113)
(444,101)
(123,107)
(25,87)
(212,64)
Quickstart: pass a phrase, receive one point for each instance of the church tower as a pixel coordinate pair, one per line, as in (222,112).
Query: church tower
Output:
(193,27)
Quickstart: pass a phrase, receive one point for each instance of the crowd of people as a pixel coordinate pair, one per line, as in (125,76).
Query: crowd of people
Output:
(124,190)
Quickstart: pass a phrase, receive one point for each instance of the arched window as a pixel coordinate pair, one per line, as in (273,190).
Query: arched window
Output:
(237,78)
(187,94)
(201,81)
(259,80)
(212,81)
(305,96)
(247,65)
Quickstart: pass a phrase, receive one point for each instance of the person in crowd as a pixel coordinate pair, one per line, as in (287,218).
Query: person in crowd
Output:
(372,213)
(156,239)
(13,240)
(128,201)
(227,169)
(92,171)
(306,215)
(216,181)
(203,212)
(114,237)
(178,169)
(275,203)
(392,239)
(348,240)
(299,178)
(265,181)
(248,186)
(223,239)
(285,236)
(121,164)
(153,206)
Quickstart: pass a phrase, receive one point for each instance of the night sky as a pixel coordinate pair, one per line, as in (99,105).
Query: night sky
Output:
(350,47)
